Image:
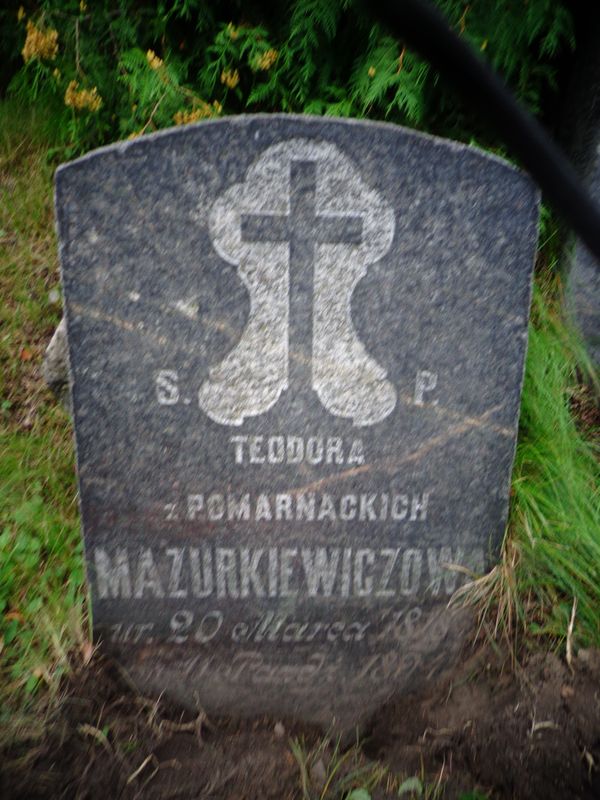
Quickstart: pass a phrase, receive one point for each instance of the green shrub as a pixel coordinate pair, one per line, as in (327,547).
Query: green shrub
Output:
(111,71)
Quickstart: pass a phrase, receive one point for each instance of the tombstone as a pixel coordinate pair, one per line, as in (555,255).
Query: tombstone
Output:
(580,132)
(297,350)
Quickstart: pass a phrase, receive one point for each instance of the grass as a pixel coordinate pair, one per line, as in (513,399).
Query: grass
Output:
(330,772)
(549,572)
(41,573)
(551,555)
(556,485)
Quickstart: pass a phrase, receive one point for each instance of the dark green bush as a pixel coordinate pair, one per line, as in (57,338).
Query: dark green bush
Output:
(112,70)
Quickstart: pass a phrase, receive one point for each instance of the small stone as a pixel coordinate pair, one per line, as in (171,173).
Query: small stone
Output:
(55,367)
(318,774)
(27,421)
(54,296)
(279,730)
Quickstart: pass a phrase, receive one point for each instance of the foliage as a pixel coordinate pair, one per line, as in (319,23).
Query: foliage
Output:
(41,570)
(556,484)
(118,70)
(330,772)
(473,796)
(550,565)
(327,772)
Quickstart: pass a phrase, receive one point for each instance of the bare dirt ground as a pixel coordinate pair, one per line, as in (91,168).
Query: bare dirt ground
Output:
(527,734)
(534,733)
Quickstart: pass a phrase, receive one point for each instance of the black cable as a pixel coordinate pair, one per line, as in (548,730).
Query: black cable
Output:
(423,27)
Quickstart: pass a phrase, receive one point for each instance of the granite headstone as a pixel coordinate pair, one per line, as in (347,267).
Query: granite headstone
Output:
(580,132)
(297,350)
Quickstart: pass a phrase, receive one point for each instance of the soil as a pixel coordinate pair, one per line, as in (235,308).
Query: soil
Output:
(528,733)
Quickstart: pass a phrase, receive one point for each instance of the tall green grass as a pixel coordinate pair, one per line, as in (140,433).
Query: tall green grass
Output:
(556,483)
(41,571)
(550,567)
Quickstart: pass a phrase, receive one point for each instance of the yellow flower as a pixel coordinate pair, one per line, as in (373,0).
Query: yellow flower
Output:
(20,13)
(372,72)
(81,99)
(40,44)
(201,111)
(184,117)
(232,31)
(230,78)
(154,61)
(266,60)
(56,73)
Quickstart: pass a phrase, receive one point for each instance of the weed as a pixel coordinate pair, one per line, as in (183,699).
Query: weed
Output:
(550,560)
(327,772)
(41,568)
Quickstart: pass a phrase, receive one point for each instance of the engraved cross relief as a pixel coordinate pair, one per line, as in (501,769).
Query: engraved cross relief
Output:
(303,206)
(303,228)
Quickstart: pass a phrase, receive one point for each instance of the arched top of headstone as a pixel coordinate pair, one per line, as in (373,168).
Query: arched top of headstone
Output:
(229,125)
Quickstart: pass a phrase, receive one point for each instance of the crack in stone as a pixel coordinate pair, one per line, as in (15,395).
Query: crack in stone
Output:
(389,465)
